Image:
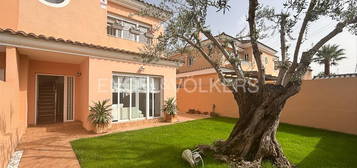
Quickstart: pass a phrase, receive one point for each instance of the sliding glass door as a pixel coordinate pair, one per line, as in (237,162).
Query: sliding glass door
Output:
(138,96)
(154,97)
(135,97)
(69,99)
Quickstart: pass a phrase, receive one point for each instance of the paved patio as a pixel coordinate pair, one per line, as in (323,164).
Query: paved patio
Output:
(49,145)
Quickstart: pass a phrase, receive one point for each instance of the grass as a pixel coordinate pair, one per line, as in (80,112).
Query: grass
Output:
(161,147)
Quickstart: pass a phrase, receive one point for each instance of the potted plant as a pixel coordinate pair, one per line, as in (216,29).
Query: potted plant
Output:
(100,116)
(170,109)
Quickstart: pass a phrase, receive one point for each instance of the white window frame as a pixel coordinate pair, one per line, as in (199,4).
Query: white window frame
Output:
(55,5)
(148,77)
(65,102)
(137,24)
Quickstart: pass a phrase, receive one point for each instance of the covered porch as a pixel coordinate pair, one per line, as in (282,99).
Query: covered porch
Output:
(54,86)
(50,84)
(62,78)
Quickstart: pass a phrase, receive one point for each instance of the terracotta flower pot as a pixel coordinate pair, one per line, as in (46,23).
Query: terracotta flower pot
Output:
(100,130)
(170,118)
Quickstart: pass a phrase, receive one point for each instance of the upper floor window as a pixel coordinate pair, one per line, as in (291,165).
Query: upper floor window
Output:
(55,3)
(190,60)
(246,57)
(266,60)
(129,30)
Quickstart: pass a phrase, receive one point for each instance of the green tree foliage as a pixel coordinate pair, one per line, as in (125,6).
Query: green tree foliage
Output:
(329,55)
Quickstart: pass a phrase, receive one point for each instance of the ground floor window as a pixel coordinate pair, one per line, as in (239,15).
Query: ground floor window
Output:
(135,97)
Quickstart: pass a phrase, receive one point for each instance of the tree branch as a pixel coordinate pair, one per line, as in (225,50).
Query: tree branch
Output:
(303,28)
(236,56)
(306,58)
(302,31)
(238,70)
(253,4)
(214,65)
(282,67)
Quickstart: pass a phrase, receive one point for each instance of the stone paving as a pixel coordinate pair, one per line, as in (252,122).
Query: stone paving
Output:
(49,145)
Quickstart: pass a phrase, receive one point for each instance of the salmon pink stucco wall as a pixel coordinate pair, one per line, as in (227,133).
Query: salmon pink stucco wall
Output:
(49,68)
(80,20)
(101,71)
(328,104)
(325,103)
(268,61)
(202,92)
(82,100)
(13,103)
(9,14)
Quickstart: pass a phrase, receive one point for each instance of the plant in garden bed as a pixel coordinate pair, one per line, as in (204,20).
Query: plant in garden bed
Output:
(100,115)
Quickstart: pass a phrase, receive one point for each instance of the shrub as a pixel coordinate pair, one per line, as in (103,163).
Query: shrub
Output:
(170,106)
(100,114)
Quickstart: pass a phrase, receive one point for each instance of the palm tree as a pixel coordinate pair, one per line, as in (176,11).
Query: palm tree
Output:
(329,55)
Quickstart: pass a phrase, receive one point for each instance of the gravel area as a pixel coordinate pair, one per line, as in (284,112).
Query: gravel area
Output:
(15,159)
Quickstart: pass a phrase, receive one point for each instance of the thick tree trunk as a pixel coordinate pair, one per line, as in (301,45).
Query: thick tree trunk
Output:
(253,138)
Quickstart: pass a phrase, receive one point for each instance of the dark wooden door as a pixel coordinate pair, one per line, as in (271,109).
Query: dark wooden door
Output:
(48,99)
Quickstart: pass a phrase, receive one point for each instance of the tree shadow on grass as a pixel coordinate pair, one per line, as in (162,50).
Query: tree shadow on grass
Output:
(310,147)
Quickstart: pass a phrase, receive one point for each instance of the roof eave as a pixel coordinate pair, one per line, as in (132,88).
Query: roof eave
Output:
(138,5)
(79,49)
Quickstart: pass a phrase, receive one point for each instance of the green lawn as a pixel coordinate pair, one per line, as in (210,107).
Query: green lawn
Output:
(161,147)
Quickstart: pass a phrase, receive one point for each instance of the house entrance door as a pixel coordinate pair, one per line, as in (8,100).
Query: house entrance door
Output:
(55,99)
(49,99)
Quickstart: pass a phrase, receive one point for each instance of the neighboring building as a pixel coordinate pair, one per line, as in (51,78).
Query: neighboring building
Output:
(332,76)
(198,84)
(194,62)
(59,56)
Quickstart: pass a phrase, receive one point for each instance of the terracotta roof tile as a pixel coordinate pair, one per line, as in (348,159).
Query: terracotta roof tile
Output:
(193,69)
(60,40)
(349,75)
(151,5)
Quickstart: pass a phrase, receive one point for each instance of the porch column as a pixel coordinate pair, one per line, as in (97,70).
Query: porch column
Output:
(16,75)
(12,66)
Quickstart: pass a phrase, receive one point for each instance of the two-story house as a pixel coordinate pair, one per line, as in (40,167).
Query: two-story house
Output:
(57,57)
(198,85)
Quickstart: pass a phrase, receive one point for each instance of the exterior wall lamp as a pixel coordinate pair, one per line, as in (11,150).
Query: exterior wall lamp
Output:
(78,74)
(141,68)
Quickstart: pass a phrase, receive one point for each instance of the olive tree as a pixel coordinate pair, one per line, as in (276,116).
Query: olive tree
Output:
(253,137)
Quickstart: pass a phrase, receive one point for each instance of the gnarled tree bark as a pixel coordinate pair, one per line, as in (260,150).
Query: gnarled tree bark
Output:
(253,138)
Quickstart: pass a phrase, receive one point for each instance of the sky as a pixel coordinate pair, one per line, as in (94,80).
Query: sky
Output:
(234,20)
